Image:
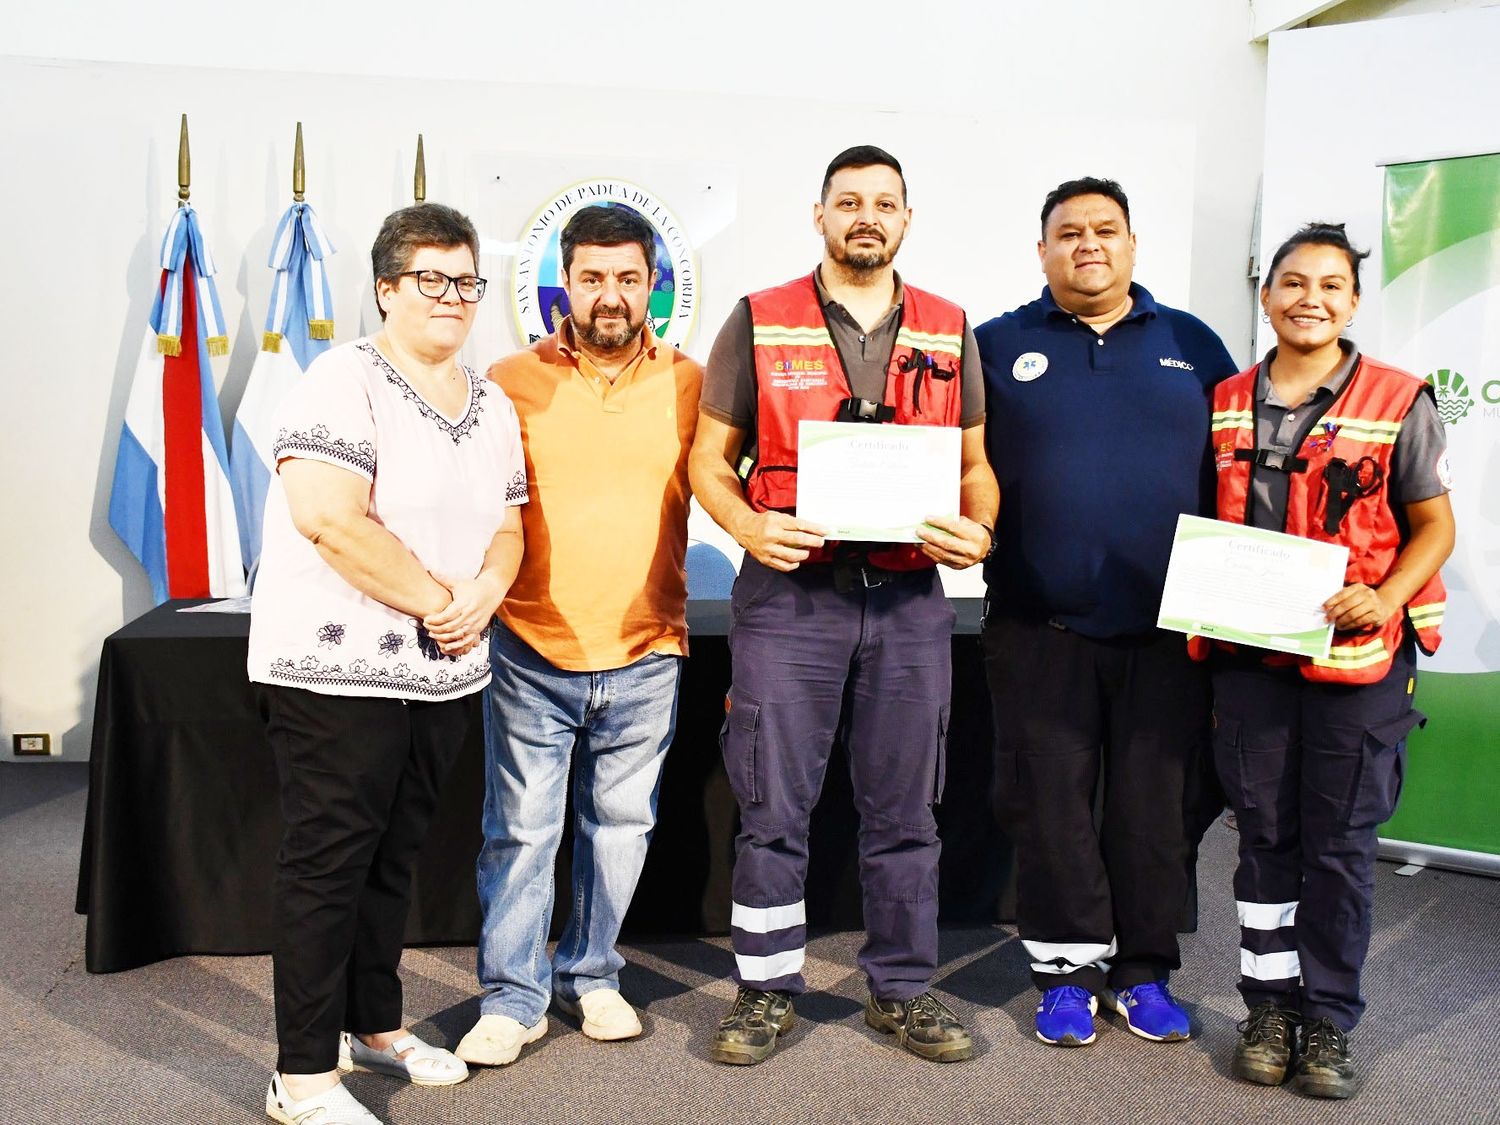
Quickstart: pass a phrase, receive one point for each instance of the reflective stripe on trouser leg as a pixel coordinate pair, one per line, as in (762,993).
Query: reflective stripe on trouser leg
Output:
(769,943)
(1268,945)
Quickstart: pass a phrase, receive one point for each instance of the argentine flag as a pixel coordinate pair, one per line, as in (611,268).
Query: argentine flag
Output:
(299,326)
(171,502)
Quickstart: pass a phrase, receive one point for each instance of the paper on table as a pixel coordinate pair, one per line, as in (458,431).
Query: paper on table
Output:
(1251,586)
(223,605)
(876,483)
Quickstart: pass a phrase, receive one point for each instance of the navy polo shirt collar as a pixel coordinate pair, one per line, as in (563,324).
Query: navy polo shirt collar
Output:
(1142,305)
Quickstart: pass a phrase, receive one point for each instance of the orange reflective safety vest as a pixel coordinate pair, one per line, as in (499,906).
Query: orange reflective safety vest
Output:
(798,374)
(1344,464)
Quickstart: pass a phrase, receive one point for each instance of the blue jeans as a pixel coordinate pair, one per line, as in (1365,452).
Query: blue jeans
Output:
(620,723)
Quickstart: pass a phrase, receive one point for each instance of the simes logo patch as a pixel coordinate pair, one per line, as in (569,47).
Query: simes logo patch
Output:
(1180,364)
(799,365)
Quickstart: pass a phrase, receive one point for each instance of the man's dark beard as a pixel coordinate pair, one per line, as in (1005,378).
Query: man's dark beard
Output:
(865,260)
(609,341)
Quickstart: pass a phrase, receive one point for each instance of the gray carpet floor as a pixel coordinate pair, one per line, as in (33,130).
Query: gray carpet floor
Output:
(191,1040)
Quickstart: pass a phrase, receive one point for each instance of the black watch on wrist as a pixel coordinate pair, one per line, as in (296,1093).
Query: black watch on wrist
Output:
(990,531)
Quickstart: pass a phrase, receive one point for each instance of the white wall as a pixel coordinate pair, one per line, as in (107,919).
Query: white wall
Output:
(1433,90)
(987,111)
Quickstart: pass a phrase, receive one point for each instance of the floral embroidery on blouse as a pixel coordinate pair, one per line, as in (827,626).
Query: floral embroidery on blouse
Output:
(330,635)
(291,443)
(471,413)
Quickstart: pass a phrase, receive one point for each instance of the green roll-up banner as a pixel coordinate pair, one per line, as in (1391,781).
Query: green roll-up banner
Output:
(1440,318)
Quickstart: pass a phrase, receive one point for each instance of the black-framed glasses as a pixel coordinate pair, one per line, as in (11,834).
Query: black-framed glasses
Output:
(434,283)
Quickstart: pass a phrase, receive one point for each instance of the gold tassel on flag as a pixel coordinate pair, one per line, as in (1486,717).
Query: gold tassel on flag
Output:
(270,341)
(218,345)
(320,329)
(169,345)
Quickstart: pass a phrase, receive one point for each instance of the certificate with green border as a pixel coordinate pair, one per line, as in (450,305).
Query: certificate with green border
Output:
(878,484)
(1251,586)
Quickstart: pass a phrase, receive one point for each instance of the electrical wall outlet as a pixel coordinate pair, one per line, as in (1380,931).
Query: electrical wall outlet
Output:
(32,745)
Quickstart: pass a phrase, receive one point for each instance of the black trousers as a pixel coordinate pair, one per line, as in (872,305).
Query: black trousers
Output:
(359,779)
(1312,770)
(1095,905)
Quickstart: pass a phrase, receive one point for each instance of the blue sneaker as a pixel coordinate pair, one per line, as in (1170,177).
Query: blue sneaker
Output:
(1150,1012)
(1065,1017)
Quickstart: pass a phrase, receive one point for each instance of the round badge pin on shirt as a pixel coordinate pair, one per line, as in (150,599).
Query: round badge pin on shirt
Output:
(1029,366)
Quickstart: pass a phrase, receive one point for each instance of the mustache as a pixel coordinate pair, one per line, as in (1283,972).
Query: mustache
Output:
(611,310)
(865,232)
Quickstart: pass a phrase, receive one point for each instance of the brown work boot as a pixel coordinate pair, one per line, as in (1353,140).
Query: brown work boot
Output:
(1268,1043)
(748,1033)
(924,1025)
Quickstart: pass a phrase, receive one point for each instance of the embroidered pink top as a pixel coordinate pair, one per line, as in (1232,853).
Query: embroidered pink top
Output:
(440,485)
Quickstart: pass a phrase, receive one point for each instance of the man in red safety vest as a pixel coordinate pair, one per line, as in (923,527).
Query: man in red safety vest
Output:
(839,636)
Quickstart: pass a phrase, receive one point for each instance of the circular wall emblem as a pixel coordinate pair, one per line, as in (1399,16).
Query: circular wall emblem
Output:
(537,294)
(1029,366)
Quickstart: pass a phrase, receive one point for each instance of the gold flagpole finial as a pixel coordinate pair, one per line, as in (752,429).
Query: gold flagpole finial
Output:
(184,164)
(299,170)
(419,181)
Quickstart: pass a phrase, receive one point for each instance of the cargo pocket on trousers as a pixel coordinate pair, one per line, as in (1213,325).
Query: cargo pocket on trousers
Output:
(1229,750)
(940,773)
(1382,768)
(737,739)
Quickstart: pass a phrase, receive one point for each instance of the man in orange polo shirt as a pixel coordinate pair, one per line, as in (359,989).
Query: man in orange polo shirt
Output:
(588,648)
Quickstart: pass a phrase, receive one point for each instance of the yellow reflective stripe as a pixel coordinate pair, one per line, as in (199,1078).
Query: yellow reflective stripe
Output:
(771,334)
(1233,420)
(930,341)
(1350,657)
(1425,616)
(746,464)
(1362,429)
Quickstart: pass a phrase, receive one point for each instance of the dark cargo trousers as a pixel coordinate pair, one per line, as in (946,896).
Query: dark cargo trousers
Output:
(812,664)
(1311,770)
(1098,902)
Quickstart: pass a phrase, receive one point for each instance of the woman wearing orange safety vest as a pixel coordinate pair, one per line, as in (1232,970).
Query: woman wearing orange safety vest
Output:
(1319,441)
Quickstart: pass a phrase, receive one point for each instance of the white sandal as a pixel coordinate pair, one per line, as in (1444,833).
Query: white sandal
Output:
(334,1106)
(425,1066)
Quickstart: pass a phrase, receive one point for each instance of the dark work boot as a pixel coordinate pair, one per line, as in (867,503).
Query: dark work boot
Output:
(1268,1043)
(1324,1069)
(923,1025)
(748,1033)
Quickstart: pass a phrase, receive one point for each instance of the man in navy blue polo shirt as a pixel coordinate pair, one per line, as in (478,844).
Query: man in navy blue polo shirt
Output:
(1097,401)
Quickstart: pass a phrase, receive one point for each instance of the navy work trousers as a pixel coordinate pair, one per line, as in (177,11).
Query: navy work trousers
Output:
(812,664)
(1097,901)
(1311,770)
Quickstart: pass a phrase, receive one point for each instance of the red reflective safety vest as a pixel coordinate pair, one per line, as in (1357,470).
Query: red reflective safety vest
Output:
(1362,422)
(798,374)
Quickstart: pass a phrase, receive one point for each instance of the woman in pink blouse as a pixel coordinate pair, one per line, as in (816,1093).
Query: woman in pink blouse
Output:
(391,536)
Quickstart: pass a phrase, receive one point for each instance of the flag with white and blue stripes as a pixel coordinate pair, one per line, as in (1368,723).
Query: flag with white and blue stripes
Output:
(299,327)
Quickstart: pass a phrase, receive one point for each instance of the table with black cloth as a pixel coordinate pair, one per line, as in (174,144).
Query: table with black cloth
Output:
(183,823)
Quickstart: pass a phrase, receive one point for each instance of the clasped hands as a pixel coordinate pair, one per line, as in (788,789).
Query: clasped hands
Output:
(458,626)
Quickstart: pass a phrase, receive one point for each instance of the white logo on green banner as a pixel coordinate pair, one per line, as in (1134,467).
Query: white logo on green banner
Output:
(1440,315)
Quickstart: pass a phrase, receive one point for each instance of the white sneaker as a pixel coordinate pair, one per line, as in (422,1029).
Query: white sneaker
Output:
(335,1106)
(425,1066)
(606,1015)
(497,1040)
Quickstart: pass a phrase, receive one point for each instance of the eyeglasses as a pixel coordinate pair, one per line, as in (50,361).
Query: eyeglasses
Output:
(434,284)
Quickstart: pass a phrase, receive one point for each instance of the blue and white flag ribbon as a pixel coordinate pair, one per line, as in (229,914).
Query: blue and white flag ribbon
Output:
(299,327)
